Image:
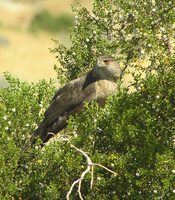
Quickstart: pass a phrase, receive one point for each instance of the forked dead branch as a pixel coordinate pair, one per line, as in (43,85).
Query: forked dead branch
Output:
(90,168)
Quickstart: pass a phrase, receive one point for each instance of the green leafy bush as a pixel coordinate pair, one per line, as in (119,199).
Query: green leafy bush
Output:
(134,135)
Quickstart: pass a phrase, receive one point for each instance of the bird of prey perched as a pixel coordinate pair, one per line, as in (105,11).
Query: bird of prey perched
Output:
(69,100)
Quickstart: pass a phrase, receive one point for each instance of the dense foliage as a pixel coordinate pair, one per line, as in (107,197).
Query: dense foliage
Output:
(134,135)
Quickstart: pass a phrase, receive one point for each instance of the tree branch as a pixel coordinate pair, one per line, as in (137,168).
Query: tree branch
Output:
(90,166)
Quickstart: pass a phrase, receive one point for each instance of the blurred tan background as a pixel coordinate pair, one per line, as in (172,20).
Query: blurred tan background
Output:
(25,54)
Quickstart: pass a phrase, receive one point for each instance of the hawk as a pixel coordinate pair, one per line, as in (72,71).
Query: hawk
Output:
(69,100)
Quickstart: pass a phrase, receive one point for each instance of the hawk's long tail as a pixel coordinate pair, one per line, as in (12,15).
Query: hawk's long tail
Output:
(42,133)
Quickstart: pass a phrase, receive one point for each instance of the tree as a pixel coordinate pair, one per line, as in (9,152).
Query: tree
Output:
(133,135)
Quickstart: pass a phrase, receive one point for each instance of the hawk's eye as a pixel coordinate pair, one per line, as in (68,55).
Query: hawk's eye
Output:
(106,62)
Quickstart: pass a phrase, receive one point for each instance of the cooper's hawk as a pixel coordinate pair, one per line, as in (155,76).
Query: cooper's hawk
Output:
(95,85)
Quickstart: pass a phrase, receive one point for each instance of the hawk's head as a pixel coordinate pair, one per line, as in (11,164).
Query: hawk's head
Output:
(108,68)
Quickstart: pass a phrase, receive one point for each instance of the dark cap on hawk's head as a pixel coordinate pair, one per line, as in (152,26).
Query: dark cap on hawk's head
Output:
(69,100)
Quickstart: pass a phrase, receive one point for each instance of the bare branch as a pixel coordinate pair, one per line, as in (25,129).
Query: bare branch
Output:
(80,181)
(90,167)
(109,170)
(71,188)
(92,176)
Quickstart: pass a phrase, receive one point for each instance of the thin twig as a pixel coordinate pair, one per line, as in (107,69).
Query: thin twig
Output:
(121,74)
(92,176)
(71,188)
(109,170)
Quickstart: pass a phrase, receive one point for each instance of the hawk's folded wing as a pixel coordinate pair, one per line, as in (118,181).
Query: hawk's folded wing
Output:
(67,101)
